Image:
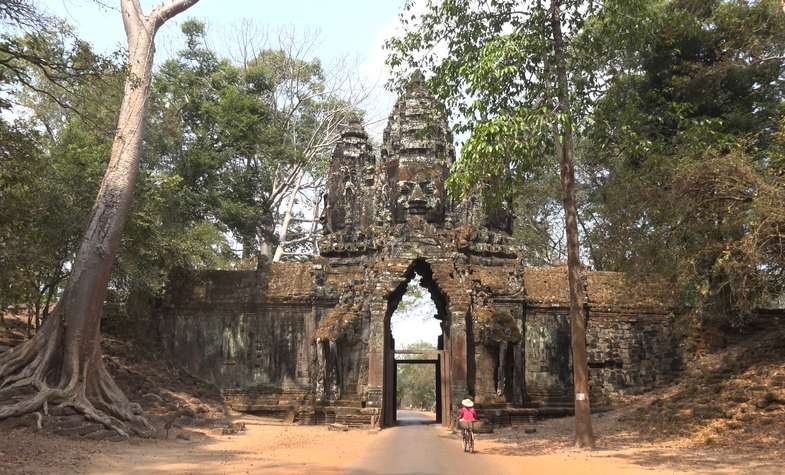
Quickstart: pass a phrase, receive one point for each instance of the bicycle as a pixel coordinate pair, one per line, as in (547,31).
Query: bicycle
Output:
(468,436)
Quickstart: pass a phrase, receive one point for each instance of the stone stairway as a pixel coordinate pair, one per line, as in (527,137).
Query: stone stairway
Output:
(510,415)
(273,402)
(296,406)
(348,411)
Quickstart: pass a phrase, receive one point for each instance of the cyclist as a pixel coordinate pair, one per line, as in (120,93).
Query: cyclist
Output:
(466,418)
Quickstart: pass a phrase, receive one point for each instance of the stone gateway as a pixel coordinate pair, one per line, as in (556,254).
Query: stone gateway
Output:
(311,341)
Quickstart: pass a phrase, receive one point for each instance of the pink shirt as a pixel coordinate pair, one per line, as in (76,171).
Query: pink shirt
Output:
(467,414)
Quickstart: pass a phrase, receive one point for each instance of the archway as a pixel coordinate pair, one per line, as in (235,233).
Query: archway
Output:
(438,358)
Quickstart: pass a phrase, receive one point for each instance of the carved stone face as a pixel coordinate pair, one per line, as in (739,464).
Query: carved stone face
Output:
(418,197)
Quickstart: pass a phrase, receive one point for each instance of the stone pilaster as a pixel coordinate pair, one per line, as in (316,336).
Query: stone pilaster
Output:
(486,368)
(373,390)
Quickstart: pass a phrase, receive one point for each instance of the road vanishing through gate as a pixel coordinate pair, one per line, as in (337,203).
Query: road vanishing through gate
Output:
(418,446)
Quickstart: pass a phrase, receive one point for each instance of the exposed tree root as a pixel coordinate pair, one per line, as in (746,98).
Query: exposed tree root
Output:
(44,372)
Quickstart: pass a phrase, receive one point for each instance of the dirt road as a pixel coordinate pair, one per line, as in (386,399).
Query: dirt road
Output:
(417,447)
(272,447)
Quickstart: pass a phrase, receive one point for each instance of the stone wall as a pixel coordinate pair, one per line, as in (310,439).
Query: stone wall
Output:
(238,346)
(314,337)
(248,332)
(254,335)
(548,365)
(630,352)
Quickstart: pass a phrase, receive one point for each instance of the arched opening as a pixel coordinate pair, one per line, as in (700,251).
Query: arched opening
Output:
(416,347)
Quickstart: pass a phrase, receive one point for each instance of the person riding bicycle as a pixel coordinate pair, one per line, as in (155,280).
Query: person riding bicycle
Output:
(467,415)
(466,418)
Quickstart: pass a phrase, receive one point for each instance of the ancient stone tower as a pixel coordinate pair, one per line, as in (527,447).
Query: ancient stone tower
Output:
(313,339)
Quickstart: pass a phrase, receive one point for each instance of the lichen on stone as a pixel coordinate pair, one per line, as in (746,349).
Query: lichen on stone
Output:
(493,325)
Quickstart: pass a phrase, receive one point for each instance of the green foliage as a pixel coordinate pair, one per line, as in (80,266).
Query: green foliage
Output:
(51,160)
(416,383)
(218,138)
(233,136)
(493,65)
(55,184)
(501,154)
(47,192)
(683,157)
(206,124)
(677,114)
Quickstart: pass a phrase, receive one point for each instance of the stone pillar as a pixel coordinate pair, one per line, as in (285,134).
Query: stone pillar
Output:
(518,383)
(306,355)
(335,366)
(501,373)
(457,371)
(321,370)
(518,389)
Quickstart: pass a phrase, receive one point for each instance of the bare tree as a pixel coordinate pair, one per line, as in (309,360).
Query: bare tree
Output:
(313,105)
(297,233)
(63,365)
(329,105)
(245,40)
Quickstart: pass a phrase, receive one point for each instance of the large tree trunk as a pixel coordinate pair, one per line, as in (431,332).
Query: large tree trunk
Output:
(564,150)
(63,365)
(265,232)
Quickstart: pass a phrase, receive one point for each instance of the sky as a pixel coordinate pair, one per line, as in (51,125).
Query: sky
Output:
(413,321)
(352,30)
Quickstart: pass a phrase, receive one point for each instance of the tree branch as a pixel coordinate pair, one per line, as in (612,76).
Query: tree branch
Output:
(162,13)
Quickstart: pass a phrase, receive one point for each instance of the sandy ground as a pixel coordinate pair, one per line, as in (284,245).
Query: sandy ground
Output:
(268,446)
(618,450)
(726,415)
(434,450)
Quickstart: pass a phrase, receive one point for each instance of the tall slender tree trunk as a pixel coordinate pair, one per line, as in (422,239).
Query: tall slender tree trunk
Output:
(283,233)
(584,436)
(265,226)
(63,365)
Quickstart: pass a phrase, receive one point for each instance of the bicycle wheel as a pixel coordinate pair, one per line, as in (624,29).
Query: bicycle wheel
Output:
(465,440)
(471,441)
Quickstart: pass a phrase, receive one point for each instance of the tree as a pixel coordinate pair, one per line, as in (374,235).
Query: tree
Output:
(565,151)
(513,78)
(54,155)
(212,133)
(22,163)
(684,156)
(62,365)
(46,192)
(416,383)
(250,139)
(314,104)
(44,56)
